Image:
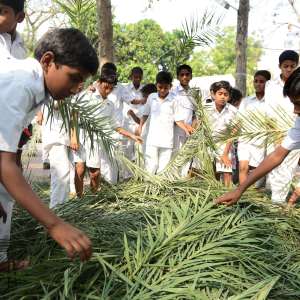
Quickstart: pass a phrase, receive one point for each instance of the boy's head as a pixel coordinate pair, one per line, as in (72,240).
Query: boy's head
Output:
(184,74)
(292,90)
(288,61)
(260,79)
(67,59)
(11,13)
(110,67)
(136,76)
(106,82)
(221,91)
(235,97)
(148,89)
(163,83)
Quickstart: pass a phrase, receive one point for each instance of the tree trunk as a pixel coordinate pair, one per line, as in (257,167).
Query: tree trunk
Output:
(241,46)
(105,29)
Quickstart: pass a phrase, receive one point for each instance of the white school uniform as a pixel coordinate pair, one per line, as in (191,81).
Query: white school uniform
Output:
(96,157)
(253,151)
(13,48)
(160,141)
(219,121)
(131,93)
(280,178)
(25,81)
(55,142)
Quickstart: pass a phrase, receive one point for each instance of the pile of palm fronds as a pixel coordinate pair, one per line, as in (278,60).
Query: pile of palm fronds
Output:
(172,245)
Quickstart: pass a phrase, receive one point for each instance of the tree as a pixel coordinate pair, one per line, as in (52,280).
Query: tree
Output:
(221,58)
(241,46)
(105,31)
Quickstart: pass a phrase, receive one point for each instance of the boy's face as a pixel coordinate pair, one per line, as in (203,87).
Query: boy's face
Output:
(184,77)
(136,79)
(259,84)
(104,88)
(61,81)
(9,19)
(163,89)
(221,97)
(287,67)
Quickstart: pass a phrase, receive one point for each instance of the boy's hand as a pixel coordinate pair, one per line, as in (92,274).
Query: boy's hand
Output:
(3,214)
(137,139)
(74,146)
(138,131)
(229,198)
(72,240)
(130,112)
(190,128)
(225,160)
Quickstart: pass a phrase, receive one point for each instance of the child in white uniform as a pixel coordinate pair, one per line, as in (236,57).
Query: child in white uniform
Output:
(251,153)
(162,110)
(96,159)
(281,177)
(220,114)
(30,81)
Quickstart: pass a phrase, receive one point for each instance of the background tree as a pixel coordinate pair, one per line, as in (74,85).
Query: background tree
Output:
(221,58)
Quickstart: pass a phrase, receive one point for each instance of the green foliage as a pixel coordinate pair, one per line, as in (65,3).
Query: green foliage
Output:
(220,59)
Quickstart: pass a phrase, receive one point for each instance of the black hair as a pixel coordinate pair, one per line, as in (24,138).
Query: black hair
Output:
(292,85)
(148,89)
(221,85)
(289,55)
(263,73)
(108,76)
(16,5)
(184,67)
(136,70)
(164,77)
(235,96)
(70,47)
(212,86)
(109,66)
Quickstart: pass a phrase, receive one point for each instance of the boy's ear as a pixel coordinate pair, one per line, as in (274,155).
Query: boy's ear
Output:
(47,59)
(20,17)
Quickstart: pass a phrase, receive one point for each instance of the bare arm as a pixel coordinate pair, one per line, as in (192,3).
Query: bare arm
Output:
(135,118)
(183,126)
(268,164)
(130,135)
(70,238)
(225,157)
(142,122)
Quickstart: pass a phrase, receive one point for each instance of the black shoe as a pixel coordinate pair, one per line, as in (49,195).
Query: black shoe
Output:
(46,166)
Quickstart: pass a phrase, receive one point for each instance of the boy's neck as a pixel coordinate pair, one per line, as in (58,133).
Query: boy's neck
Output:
(219,107)
(136,86)
(163,98)
(185,87)
(259,96)
(13,33)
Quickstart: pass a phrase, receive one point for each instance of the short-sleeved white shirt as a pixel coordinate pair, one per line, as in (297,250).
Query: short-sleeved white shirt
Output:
(186,108)
(252,104)
(131,93)
(22,92)
(220,120)
(15,48)
(292,140)
(162,114)
(116,97)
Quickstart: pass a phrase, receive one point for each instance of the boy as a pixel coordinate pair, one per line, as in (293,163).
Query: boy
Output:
(64,58)
(251,153)
(220,114)
(134,102)
(11,43)
(162,110)
(276,105)
(291,142)
(97,159)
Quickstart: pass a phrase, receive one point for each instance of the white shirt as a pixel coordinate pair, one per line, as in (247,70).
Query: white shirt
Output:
(252,104)
(15,48)
(186,108)
(162,113)
(116,97)
(292,140)
(131,93)
(220,120)
(22,92)
(275,101)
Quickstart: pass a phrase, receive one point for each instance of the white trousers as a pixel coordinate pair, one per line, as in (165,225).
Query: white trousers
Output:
(179,141)
(281,177)
(60,174)
(7,203)
(157,158)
